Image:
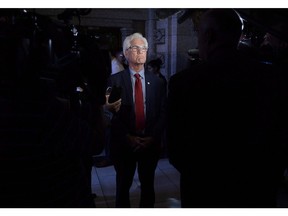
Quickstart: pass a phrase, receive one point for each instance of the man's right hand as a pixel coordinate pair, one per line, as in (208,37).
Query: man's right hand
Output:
(113,107)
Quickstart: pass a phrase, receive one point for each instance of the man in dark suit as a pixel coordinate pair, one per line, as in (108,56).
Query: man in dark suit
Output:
(224,122)
(138,125)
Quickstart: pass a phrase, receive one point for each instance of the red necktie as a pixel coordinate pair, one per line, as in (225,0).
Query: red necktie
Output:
(139,104)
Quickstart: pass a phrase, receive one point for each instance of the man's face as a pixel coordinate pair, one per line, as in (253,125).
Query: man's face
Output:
(137,52)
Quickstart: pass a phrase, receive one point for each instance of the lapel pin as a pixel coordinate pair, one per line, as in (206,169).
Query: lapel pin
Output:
(148,83)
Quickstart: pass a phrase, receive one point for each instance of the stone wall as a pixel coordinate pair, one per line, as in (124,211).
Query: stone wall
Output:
(167,39)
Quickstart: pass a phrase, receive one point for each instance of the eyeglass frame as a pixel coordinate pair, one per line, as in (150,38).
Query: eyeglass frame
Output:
(138,48)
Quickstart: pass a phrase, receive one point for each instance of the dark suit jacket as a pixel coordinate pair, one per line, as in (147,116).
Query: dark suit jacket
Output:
(123,122)
(40,133)
(225,119)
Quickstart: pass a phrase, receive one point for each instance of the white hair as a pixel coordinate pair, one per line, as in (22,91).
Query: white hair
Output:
(128,39)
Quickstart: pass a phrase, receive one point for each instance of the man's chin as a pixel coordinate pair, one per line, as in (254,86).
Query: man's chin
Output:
(141,60)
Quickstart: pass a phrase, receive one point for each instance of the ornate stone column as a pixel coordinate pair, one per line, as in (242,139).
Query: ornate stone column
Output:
(150,29)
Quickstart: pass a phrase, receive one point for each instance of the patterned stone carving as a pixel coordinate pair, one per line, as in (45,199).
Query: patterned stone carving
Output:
(159,36)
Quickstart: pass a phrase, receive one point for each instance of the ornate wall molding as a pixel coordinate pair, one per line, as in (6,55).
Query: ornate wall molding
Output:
(159,36)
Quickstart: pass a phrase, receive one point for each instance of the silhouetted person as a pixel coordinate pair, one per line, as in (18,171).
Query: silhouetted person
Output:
(154,66)
(225,122)
(116,61)
(274,51)
(116,66)
(136,128)
(45,140)
(274,48)
(108,109)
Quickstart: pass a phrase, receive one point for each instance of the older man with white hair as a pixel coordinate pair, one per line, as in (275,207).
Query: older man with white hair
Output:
(138,124)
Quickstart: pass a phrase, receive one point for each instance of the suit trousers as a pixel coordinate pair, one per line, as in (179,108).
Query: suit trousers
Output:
(146,163)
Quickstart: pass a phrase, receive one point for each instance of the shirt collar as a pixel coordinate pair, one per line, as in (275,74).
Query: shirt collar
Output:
(141,73)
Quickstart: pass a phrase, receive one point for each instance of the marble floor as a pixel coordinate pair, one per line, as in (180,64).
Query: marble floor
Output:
(166,186)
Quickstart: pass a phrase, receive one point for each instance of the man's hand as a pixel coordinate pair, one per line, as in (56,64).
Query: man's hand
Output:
(139,144)
(113,107)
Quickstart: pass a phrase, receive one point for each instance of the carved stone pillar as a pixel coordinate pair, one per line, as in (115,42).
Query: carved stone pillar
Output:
(151,27)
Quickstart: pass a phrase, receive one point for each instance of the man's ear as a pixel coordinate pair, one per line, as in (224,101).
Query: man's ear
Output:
(125,53)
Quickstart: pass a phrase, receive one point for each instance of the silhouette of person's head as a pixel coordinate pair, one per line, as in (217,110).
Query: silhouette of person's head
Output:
(219,33)
(274,47)
(154,65)
(120,57)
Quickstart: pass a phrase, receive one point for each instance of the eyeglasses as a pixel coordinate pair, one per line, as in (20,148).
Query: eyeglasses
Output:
(138,48)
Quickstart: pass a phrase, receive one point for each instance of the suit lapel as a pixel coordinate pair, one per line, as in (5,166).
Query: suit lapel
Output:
(128,86)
